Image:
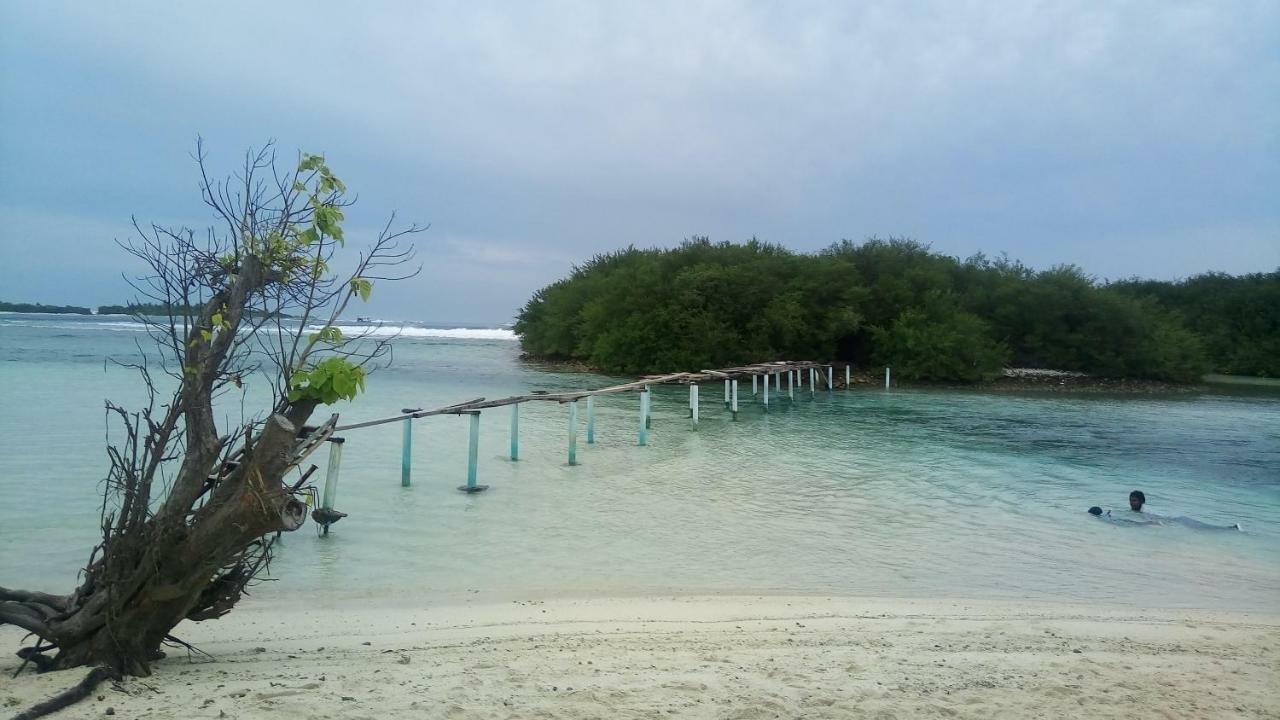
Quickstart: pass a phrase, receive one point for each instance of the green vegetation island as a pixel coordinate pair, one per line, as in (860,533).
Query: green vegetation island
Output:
(929,316)
(145,309)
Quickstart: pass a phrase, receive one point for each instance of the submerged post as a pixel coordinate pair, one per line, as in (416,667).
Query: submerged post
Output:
(726,391)
(406,452)
(830,380)
(766,393)
(515,432)
(591,419)
(846,377)
(331,476)
(791,384)
(754,391)
(886,377)
(812,382)
(644,417)
(734,405)
(693,400)
(473,456)
(648,408)
(573,433)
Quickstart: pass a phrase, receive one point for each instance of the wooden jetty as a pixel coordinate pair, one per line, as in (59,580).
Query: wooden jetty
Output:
(764,376)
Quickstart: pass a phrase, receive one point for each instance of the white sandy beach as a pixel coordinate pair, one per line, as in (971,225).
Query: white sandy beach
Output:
(700,657)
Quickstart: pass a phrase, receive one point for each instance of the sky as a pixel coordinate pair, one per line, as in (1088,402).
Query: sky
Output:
(1130,138)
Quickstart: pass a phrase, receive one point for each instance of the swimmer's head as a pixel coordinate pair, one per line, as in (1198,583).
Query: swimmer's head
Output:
(1137,500)
(1095,510)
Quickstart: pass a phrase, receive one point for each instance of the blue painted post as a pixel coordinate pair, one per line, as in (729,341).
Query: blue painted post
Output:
(515,432)
(573,433)
(734,404)
(766,393)
(331,476)
(693,399)
(406,453)
(644,417)
(591,419)
(473,456)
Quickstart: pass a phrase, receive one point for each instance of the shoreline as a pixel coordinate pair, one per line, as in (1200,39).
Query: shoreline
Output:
(741,657)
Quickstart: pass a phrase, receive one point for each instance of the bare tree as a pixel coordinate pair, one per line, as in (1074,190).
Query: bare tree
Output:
(190,509)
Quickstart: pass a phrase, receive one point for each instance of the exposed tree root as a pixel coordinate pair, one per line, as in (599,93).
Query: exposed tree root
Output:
(71,695)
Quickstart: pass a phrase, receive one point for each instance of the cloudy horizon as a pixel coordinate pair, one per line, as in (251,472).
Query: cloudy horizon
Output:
(1130,139)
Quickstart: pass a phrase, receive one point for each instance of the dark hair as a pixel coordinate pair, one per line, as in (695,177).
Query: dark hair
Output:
(1138,494)
(1095,510)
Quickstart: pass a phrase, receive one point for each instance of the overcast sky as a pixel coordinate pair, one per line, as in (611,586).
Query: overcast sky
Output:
(1134,138)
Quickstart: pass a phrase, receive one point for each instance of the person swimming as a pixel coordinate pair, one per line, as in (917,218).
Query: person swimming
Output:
(1137,499)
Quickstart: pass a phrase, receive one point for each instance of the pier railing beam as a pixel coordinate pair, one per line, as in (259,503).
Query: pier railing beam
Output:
(473,456)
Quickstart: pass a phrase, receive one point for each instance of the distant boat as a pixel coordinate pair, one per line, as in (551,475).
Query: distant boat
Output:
(364,319)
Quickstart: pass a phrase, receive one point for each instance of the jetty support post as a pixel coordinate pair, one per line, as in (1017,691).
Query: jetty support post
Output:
(591,419)
(830,379)
(754,391)
(515,432)
(406,451)
(734,402)
(846,377)
(648,408)
(693,403)
(766,393)
(726,391)
(573,433)
(473,455)
(791,385)
(812,382)
(644,417)
(886,377)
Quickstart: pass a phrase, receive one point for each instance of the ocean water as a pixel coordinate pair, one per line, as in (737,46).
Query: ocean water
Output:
(870,492)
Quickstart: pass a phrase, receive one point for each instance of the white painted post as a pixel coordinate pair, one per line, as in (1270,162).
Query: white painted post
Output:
(830,379)
(753,386)
(886,377)
(573,433)
(812,382)
(846,377)
(591,419)
(331,476)
(766,393)
(693,398)
(515,432)
(644,417)
(791,385)
(734,405)
(726,391)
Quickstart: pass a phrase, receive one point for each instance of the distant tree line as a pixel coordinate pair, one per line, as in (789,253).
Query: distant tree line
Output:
(39,308)
(147,309)
(894,302)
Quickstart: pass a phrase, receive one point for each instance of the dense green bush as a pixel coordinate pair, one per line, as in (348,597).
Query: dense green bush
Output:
(930,316)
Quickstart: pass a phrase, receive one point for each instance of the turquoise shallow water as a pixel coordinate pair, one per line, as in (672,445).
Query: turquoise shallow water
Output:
(865,492)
